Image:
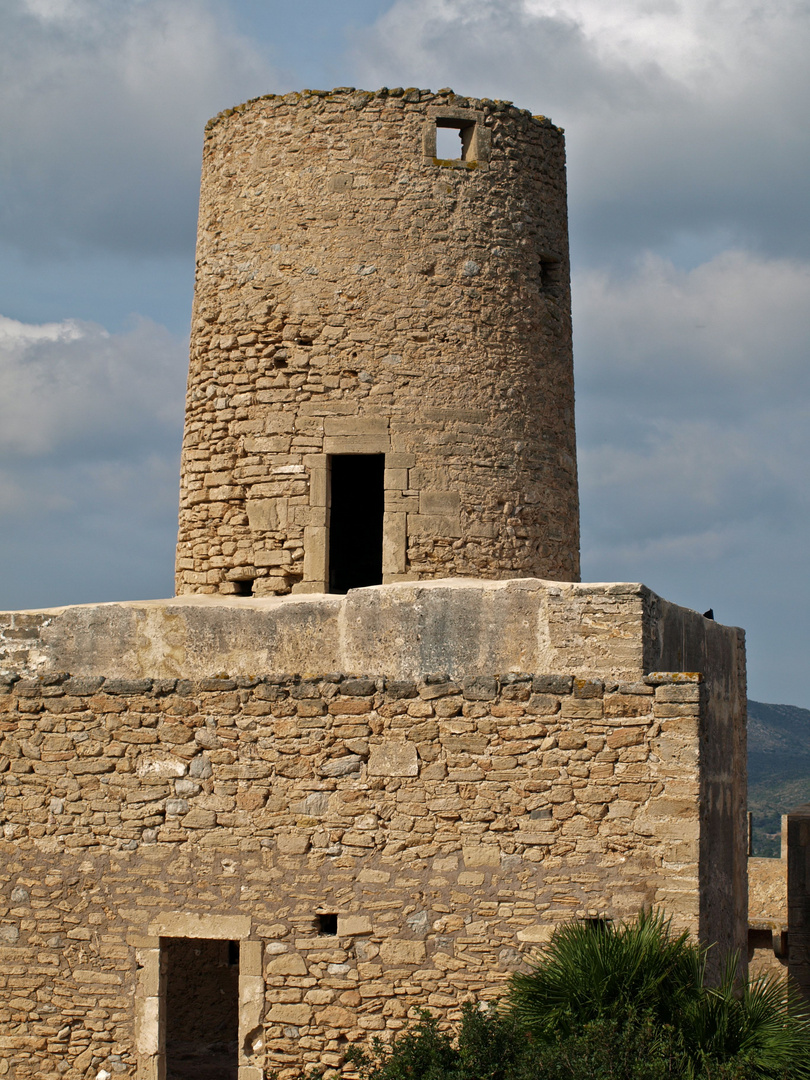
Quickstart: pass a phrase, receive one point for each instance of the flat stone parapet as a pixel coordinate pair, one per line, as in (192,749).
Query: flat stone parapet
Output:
(459,626)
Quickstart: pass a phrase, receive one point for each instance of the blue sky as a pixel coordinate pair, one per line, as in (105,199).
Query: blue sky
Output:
(688,161)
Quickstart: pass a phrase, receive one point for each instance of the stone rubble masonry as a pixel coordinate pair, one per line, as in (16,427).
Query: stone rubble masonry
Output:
(449,824)
(355,294)
(768,939)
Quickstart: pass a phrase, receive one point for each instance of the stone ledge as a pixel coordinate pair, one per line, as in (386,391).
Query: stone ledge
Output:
(614,632)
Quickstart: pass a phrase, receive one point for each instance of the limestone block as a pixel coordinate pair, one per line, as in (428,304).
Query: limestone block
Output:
(91,976)
(267,444)
(538,934)
(488,855)
(319,481)
(251,1001)
(433,525)
(193,925)
(395,540)
(297,1015)
(629,736)
(440,503)
(356,444)
(147,1025)
(336,1017)
(271,557)
(292,843)
(356,425)
(287,964)
(353,925)
(393,757)
(168,767)
(315,541)
(402,952)
(343,766)
(395,479)
(581,708)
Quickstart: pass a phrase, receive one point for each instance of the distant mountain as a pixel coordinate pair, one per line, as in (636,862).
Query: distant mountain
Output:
(778,768)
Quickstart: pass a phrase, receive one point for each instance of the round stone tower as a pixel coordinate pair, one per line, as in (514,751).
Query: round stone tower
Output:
(381,384)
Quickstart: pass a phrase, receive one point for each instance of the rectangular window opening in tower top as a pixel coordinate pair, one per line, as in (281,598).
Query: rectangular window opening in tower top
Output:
(454,139)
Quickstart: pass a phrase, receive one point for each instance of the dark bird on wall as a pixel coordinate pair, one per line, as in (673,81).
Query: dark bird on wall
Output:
(709,614)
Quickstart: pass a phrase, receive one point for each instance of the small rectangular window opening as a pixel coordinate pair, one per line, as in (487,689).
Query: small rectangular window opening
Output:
(550,271)
(245,587)
(326,923)
(597,922)
(454,139)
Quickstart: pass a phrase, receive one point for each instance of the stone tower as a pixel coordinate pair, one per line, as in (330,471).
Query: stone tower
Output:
(381,384)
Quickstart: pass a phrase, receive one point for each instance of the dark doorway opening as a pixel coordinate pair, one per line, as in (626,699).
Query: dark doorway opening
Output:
(356,521)
(202,1009)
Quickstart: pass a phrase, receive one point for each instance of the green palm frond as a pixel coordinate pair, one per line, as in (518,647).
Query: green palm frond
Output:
(643,973)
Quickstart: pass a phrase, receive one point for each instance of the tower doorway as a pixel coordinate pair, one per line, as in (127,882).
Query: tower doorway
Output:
(202,1008)
(356,521)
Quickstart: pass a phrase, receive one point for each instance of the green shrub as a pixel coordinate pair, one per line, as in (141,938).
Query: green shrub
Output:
(605,1002)
(641,973)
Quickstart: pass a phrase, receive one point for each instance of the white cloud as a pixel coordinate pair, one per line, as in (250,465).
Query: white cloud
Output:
(739,322)
(72,388)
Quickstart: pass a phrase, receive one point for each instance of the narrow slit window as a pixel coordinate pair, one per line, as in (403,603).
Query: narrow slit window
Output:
(356,506)
(550,271)
(326,923)
(454,139)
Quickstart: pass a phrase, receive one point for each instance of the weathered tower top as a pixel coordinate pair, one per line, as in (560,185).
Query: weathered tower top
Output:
(381,383)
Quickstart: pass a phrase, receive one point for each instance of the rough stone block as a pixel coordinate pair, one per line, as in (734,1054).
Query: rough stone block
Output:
(297,1015)
(486,855)
(352,925)
(394,757)
(402,952)
(266,515)
(433,525)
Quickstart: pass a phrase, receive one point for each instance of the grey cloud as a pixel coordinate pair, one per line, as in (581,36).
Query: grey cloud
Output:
(694,436)
(681,117)
(102,108)
(74,389)
(90,427)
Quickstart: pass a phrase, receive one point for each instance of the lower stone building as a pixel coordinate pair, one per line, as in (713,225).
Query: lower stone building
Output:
(263,829)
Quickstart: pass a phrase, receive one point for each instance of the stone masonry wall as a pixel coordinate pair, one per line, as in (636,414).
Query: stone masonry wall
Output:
(449,827)
(768,941)
(355,294)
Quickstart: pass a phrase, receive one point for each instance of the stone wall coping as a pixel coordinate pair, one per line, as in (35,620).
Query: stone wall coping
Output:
(611,631)
(329,600)
(357,98)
